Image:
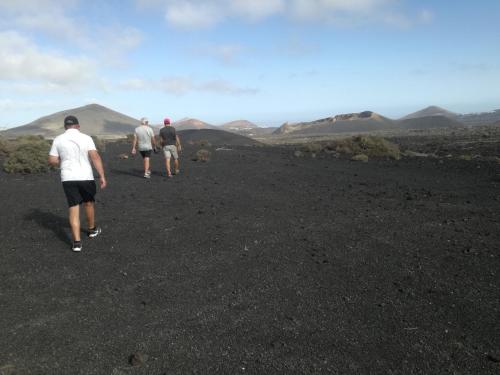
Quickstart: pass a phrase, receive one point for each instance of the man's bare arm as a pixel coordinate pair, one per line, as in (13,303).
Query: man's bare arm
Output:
(54,160)
(97,161)
(178,143)
(134,143)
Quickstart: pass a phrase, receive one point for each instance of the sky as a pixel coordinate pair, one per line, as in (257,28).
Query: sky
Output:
(267,61)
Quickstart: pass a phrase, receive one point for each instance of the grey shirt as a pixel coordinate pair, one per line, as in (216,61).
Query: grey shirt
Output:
(144,135)
(168,136)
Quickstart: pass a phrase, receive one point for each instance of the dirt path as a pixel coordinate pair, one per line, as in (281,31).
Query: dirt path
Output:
(257,262)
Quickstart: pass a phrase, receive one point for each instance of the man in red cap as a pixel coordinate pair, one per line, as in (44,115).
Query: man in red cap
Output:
(171,146)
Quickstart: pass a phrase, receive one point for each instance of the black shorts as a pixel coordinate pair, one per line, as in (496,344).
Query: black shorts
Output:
(79,191)
(146,154)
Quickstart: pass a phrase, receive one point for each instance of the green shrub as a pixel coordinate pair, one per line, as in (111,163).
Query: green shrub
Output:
(99,143)
(312,148)
(6,147)
(29,156)
(371,146)
(202,155)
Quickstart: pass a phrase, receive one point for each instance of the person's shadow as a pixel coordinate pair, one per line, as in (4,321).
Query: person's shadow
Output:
(57,224)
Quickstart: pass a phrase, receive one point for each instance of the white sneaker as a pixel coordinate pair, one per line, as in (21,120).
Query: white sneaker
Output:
(77,246)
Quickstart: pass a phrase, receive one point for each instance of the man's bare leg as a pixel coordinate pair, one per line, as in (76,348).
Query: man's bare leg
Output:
(90,213)
(146,165)
(74,222)
(176,165)
(167,166)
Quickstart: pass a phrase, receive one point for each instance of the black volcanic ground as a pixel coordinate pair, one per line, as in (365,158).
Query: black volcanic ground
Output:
(257,262)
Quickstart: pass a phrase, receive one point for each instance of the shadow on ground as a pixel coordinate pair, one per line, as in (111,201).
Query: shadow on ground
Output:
(47,220)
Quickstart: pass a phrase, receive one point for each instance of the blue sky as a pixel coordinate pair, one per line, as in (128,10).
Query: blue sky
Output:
(268,61)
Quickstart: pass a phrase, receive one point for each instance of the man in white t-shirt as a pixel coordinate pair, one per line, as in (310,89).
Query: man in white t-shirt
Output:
(72,151)
(144,141)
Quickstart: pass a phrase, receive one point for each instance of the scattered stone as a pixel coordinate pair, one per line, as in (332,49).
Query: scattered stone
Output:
(8,370)
(298,154)
(123,156)
(360,157)
(414,154)
(137,359)
(494,357)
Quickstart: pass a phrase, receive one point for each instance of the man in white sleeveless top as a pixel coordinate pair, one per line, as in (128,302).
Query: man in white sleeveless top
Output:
(73,151)
(144,141)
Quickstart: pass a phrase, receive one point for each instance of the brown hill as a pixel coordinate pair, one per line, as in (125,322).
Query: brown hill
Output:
(192,124)
(429,112)
(94,119)
(352,122)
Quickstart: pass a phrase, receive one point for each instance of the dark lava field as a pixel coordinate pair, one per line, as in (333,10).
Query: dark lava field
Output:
(256,262)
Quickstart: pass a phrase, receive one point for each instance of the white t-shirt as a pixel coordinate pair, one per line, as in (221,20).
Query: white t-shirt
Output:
(73,148)
(144,134)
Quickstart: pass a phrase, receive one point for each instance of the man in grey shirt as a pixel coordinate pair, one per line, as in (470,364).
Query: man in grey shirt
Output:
(144,141)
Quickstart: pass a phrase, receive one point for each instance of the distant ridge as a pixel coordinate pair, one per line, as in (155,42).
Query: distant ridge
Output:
(94,119)
(481,118)
(431,111)
(239,125)
(351,122)
(216,137)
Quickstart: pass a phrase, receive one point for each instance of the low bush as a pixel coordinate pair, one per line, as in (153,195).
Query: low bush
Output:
(6,147)
(371,146)
(99,144)
(202,155)
(29,156)
(130,138)
(312,148)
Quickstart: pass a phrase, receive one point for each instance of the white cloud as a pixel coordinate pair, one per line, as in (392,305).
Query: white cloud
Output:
(199,14)
(225,87)
(191,14)
(20,59)
(225,53)
(59,22)
(7,105)
(257,9)
(180,85)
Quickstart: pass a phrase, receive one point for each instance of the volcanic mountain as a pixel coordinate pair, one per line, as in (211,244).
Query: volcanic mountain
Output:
(191,123)
(345,123)
(94,119)
(429,112)
(430,118)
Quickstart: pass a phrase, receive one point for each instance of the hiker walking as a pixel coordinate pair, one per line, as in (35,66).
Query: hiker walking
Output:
(73,151)
(171,146)
(144,141)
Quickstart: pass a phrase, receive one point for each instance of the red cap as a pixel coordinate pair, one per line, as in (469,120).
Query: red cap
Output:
(166,121)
